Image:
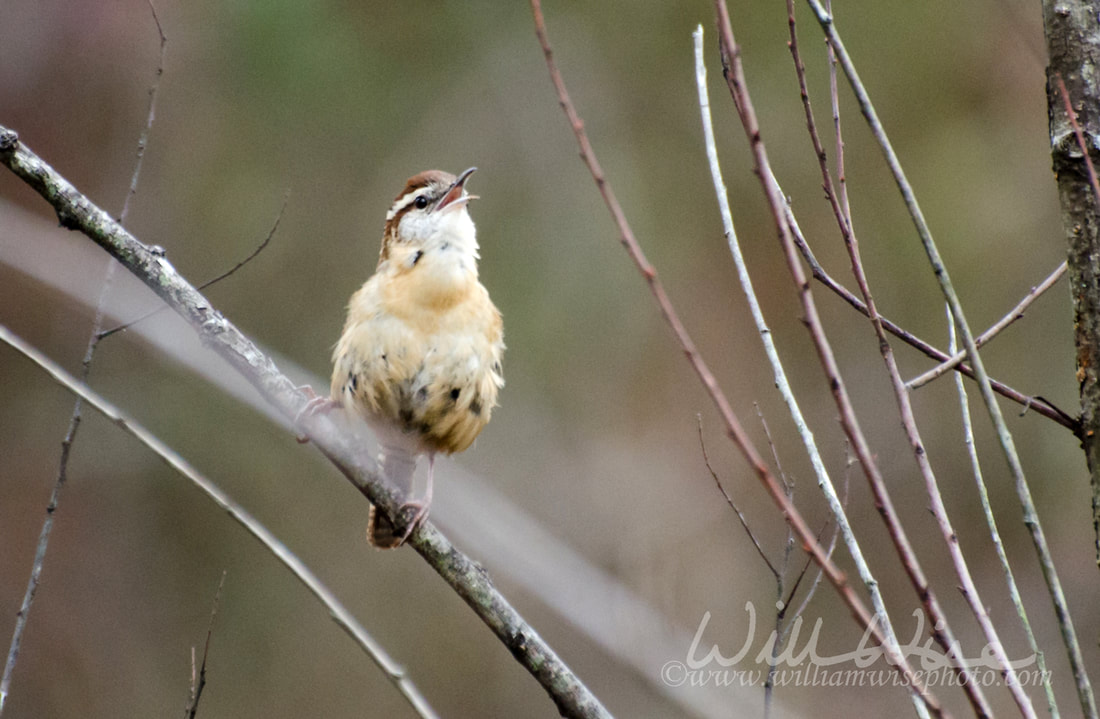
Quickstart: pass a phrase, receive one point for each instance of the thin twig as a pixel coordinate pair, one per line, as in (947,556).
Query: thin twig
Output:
(1004,437)
(259,248)
(834,101)
(994,533)
(393,671)
(817,577)
(143,140)
(54,502)
(1072,115)
(788,545)
(781,576)
(969,588)
(198,677)
(732,505)
(1016,313)
(467,578)
(75,418)
(787,481)
(734,429)
(836,506)
(782,626)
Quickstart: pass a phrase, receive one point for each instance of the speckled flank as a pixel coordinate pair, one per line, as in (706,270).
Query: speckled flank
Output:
(437,380)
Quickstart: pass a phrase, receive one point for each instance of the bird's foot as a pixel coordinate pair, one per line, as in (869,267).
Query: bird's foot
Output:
(316,405)
(420,515)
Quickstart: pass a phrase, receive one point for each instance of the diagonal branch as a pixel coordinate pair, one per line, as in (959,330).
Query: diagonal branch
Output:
(469,580)
(1016,313)
(733,505)
(1036,404)
(227,273)
(345,619)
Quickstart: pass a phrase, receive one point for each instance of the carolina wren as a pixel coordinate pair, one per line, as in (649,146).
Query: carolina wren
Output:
(419,358)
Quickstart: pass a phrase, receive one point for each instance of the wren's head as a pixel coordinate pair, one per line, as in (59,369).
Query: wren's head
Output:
(430,216)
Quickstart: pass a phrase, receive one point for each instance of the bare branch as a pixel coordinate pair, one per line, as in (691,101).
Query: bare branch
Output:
(834,101)
(1004,437)
(733,506)
(839,202)
(734,74)
(994,533)
(393,671)
(836,507)
(1038,404)
(909,424)
(734,430)
(198,676)
(469,580)
(259,248)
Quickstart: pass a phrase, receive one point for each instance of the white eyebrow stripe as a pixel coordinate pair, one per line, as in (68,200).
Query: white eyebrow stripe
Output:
(403,203)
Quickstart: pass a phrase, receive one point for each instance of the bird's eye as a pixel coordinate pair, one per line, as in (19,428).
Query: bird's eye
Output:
(421,202)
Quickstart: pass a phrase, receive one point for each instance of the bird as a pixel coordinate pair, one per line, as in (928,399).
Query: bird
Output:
(419,359)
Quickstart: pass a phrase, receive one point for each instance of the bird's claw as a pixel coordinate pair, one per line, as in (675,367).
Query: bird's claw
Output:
(316,405)
(419,517)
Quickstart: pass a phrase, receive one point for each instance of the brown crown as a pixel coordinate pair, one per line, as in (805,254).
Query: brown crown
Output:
(433,178)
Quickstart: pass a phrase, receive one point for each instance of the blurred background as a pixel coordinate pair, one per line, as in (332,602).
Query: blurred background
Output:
(587,498)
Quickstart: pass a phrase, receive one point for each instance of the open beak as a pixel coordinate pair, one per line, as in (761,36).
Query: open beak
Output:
(455,195)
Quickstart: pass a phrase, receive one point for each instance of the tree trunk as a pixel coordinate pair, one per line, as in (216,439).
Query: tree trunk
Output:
(1072,29)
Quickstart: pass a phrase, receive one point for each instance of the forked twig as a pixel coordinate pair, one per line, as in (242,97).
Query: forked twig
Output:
(1014,314)
(1028,402)
(198,674)
(252,255)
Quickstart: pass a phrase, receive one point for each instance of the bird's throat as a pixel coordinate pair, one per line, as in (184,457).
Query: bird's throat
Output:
(433,281)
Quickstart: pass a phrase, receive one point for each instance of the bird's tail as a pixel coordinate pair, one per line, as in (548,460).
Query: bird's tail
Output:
(398,467)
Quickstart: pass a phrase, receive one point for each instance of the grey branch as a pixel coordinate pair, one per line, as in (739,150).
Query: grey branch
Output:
(466,577)
(340,614)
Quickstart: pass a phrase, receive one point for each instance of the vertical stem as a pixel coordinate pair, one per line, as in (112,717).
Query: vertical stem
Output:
(1073,42)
